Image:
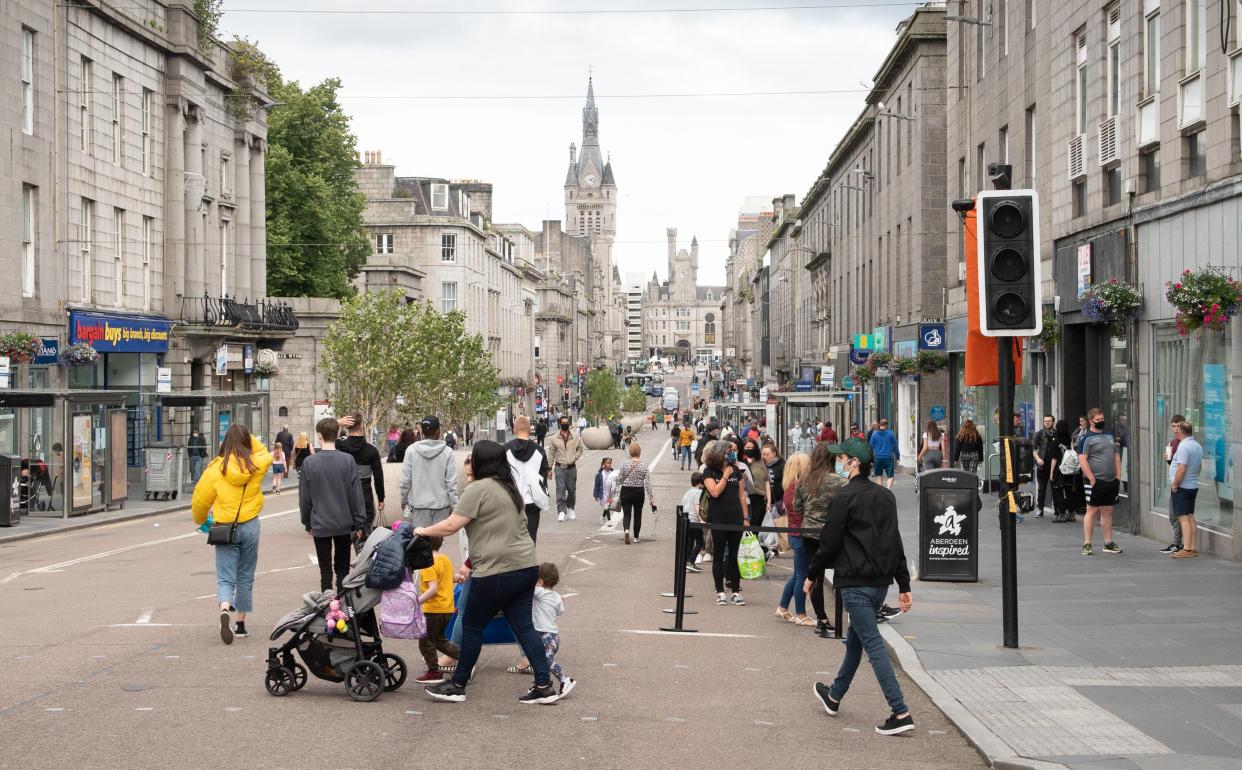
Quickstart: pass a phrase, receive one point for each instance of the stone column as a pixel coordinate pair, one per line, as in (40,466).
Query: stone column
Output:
(173,263)
(241,219)
(258,218)
(194,185)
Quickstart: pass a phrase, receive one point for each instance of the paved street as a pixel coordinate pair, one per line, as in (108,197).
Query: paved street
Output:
(112,640)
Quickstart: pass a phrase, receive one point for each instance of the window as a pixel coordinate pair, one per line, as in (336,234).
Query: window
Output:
(1003,23)
(463,203)
(1030,145)
(1080,198)
(1114,60)
(1151,46)
(448,296)
(1080,83)
(118,88)
(1196,154)
(86,238)
(980,53)
(118,256)
(683,326)
(439,197)
(85,116)
(1149,167)
(1030,14)
(1003,145)
(1196,35)
(1112,186)
(28,240)
(899,112)
(910,124)
(538,345)
(226,249)
(961,177)
(146,131)
(383,243)
(27,81)
(148,250)
(448,247)
(226,175)
(980,167)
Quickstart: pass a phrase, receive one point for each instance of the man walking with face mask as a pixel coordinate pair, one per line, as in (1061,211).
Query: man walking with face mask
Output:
(564,450)
(1100,460)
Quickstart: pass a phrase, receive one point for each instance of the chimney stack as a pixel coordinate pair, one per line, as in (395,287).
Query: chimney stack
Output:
(672,243)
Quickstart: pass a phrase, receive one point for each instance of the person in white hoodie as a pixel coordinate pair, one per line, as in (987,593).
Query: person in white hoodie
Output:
(428,478)
(530,472)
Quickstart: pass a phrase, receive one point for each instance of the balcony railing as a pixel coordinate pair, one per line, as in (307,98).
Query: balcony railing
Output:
(229,313)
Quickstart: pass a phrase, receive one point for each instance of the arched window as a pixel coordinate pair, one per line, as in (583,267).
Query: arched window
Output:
(284,412)
(709,329)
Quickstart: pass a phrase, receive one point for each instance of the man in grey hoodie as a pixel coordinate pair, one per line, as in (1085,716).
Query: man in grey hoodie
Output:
(428,478)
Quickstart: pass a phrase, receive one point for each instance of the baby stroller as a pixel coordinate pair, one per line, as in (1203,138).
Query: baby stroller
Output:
(355,656)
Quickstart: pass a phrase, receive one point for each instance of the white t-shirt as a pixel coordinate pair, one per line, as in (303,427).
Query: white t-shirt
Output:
(690,503)
(545,607)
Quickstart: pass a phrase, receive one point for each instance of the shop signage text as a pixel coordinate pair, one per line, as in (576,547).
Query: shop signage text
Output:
(119,334)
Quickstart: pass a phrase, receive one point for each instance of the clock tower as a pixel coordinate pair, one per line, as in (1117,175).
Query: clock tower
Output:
(590,189)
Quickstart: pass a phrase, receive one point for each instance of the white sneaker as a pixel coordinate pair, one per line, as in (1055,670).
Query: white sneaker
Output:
(560,516)
(567,687)
(698,559)
(571,513)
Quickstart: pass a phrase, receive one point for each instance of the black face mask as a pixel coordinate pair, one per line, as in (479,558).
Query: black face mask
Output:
(1099,424)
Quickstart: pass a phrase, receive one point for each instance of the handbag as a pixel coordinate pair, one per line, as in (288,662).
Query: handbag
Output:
(616,500)
(226,534)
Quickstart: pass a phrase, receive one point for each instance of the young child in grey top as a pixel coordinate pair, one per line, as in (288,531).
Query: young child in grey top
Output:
(547,605)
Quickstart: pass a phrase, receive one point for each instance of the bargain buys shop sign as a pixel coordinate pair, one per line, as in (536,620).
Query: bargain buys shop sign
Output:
(119,334)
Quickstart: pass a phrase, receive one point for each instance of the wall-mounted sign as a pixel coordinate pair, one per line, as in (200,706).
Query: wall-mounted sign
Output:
(248,358)
(1084,267)
(49,351)
(858,357)
(163,380)
(932,337)
(222,360)
(119,333)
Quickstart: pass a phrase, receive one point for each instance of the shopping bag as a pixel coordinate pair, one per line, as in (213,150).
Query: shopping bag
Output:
(750,561)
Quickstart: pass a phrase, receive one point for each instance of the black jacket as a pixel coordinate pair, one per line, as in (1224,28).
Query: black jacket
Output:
(366,456)
(860,540)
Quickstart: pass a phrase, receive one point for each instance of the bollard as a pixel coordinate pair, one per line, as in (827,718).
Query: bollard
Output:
(679,580)
(679,548)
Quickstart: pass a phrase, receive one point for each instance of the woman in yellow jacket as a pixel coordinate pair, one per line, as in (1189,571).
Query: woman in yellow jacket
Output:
(231,489)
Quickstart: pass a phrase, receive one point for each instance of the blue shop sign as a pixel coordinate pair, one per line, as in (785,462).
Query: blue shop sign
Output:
(49,351)
(859,357)
(119,333)
(938,412)
(905,348)
(932,337)
(802,386)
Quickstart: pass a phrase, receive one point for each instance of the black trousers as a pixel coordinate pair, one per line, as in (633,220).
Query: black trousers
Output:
(724,560)
(632,507)
(532,521)
(330,562)
(694,544)
(811,545)
(757,512)
(1041,484)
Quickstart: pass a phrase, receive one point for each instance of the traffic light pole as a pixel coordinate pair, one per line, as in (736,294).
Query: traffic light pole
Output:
(1009,478)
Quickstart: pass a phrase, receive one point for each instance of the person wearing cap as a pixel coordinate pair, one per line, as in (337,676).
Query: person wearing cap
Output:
(428,477)
(564,450)
(860,541)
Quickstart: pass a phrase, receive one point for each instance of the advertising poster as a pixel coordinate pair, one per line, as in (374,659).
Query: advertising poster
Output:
(83,448)
(223,420)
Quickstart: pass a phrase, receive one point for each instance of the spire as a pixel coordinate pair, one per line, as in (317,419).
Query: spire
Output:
(590,116)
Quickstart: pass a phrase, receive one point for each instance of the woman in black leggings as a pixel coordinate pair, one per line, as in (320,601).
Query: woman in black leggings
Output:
(811,500)
(727,504)
(635,487)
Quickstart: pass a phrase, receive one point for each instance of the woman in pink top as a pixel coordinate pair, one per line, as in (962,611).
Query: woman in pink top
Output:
(795,468)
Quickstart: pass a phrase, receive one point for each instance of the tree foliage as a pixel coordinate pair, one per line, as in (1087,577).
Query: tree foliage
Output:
(603,396)
(386,356)
(316,243)
(634,399)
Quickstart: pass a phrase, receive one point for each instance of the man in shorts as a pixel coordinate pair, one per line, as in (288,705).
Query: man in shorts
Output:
(1184,488)
(1100,460)
(884,448)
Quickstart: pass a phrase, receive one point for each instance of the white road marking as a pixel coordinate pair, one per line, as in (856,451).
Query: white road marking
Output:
(232,708)
(585,550)
(144,708)
(764,724)
(851,729)
(566,596)
(700,634)
(584,561)
(149,625)
(590,719)
(54,709)
(205,596)
(144,618)
(415,713)
(171,657)
(576,571)
(314,560)
(660,455)
(10,576)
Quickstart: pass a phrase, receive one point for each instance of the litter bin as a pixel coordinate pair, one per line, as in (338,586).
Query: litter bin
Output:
(949,507)
(11,488)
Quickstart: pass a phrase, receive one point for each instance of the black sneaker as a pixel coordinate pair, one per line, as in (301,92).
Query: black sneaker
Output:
(881,618)
(239,631)
(447,691)
(692,567)
(226,627)
(1112,548)
(889,612)
(540,694)
(825,629)
(1170,548)
(895,726)
(831,706)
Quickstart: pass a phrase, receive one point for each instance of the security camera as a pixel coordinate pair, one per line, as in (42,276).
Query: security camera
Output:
(963,205)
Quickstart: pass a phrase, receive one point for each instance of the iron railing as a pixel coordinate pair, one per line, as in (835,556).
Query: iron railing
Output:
(226,312)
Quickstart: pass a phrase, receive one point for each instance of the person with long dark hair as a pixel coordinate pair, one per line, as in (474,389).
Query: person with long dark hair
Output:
(811,500)
(931,455)
(397,453)
(502,570)
(969,451)
(727,504)
(1066,486)
(230,489)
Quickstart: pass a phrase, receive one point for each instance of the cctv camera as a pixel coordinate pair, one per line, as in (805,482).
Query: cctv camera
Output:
(963,205)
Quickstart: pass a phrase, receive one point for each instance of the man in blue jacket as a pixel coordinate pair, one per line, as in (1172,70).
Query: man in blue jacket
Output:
(862,544)
(884,448)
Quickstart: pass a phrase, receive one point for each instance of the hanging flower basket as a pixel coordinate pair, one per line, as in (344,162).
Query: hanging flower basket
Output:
(880,360)
(1113,302)
(1050,335)
(904,367)
(79,354)
(931,361)
(1205,299)
(20,347)
(864,374)
(265,369)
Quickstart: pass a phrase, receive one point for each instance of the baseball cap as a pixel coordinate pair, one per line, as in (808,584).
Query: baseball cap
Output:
(852,447)
(431,423)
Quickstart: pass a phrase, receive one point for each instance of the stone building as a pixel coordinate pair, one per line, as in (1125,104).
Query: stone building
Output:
(682,319)
(1124,117)
(737,307)
(133,218)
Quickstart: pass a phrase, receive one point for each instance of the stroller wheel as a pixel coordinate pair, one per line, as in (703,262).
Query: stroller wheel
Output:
(365,681)
(299,676)
(395,671)
(279,681)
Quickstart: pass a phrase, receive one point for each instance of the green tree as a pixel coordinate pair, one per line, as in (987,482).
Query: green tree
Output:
(634,399)
(366,355)
(603,396)
(451,371)
(316,243)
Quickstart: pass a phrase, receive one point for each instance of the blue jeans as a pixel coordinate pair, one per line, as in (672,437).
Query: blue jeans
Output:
(685,456)
(235,567)
(793,586)
(455,637)
(511,593)
(861,604)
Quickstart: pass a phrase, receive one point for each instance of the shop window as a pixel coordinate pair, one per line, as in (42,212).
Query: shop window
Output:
(1192,376)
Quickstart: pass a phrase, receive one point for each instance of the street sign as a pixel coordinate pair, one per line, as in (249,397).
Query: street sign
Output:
(938,412)
(560,379)
(847,382)
(931,337)
(163,380)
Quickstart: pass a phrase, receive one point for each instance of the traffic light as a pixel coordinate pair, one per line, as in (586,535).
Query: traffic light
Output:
(1010,283)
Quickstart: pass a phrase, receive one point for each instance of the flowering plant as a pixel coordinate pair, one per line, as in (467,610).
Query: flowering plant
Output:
(1112,302)
(864,373)
(881,360)
(1205,299)
(931,361)
(1049,335)
(904,366)
(265,368)
(20,347)
(78,354)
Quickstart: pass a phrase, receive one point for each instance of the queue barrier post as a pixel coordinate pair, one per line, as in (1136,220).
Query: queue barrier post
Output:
(679,576)
(679,547)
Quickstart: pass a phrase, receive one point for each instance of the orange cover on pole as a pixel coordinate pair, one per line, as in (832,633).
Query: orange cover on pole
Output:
(980,350)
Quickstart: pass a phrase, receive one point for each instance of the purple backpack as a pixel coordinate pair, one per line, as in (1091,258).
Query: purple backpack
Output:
(400,615)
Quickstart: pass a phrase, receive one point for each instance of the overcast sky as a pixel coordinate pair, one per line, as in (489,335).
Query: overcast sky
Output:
(682,161)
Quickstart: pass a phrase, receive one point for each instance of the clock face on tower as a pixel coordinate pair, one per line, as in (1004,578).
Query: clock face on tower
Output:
(589,178)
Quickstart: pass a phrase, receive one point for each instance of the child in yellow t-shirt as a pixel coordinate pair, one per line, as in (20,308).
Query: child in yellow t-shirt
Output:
(435,585)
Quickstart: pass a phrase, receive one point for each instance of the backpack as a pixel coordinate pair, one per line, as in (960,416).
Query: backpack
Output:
(522,477)
(1069,461)
(400,615)
(387,567)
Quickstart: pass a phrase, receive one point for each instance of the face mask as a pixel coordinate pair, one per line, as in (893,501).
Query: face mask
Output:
(731,457)
(1099,424)
(842,471)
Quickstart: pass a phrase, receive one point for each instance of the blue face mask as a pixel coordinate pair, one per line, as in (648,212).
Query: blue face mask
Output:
(841,470)
(731,457)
